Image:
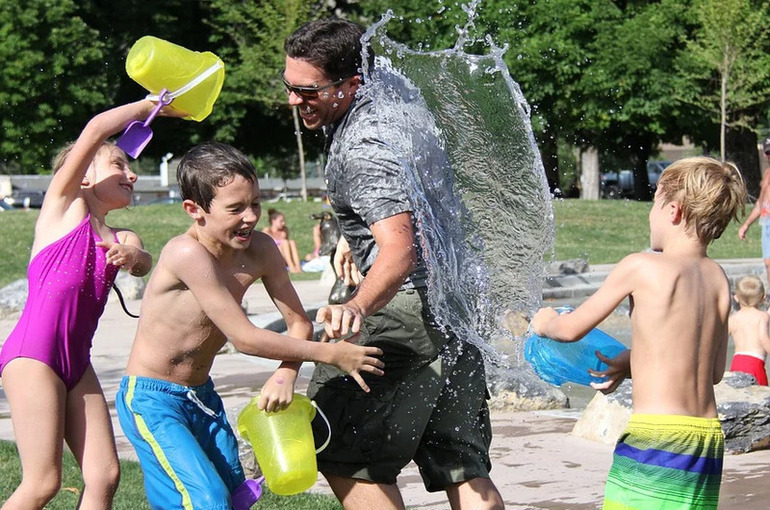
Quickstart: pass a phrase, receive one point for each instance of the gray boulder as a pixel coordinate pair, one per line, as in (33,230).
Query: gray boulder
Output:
(519,389)
(12,298)
(743,408)
(566,267)
(132,287)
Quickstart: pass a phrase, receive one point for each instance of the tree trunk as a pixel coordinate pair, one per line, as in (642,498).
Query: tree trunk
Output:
(724,76)
(741,149)
(301,150)
(642,189)
(589,174)
(549,153)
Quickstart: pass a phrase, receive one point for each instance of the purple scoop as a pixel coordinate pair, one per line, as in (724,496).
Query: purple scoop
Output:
(138,134)
(247,494)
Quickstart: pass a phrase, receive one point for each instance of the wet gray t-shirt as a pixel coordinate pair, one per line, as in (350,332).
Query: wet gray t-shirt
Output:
(365,183)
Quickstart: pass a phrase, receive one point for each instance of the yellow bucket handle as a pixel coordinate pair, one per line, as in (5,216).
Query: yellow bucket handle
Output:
(192,84)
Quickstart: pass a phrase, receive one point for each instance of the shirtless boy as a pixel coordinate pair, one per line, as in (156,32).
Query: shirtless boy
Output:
(167,405)
(671,453)
(749,329)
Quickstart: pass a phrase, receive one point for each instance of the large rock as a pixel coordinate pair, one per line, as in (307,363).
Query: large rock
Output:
(12,298)
(606,416)
(131,287)
(743,408)
(519,389)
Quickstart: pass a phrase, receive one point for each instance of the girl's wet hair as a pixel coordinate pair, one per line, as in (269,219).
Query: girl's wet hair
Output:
(58,161)
(332,44)
(711,193)
(209,166)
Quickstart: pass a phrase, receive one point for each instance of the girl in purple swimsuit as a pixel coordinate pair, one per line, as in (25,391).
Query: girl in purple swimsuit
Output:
(45,365)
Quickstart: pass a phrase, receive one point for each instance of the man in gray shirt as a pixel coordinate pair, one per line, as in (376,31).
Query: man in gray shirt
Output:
(430,406)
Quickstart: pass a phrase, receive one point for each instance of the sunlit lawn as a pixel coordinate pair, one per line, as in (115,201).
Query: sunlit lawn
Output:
(600,232)
(605,231)
(130,495)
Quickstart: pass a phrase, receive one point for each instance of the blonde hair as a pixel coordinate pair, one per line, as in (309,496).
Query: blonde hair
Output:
(749,291)
(58,161)
(711,193)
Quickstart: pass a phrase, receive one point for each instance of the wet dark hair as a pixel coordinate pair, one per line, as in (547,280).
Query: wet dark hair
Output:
(209,166)
(332,44)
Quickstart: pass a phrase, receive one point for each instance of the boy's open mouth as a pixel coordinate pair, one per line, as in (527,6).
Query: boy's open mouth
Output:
(244,233)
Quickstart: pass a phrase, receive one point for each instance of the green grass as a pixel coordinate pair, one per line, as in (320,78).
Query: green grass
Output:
(130,495)
(155,224)
(605,231)
(601,232)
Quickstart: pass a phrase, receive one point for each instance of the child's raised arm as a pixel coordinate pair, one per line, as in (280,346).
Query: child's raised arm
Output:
(195,267)
(66,182)
(570,327)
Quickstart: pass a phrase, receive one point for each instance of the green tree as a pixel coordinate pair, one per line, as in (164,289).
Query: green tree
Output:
(726,68)
(550,50)
(629,104)
(52,79)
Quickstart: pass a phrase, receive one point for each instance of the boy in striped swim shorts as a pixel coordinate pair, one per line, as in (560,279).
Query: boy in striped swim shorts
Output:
(670,455)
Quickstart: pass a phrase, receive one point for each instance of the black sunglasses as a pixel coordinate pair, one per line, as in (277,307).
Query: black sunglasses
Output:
(309,92)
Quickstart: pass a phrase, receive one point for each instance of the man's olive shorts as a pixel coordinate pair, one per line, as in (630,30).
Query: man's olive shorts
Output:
(429,406)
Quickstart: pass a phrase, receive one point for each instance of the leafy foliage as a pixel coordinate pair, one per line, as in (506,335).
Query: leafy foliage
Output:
(620,75)
(727,62)
(50,82)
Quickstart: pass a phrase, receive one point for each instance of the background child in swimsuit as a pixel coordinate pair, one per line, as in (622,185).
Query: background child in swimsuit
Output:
(671,452)
(167,404)
(52,389)
(749,329)
(278,230)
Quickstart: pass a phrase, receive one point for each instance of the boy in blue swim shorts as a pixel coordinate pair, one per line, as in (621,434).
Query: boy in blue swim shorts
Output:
(166,403)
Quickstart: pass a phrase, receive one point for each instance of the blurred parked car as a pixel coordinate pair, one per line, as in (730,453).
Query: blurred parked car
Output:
(621,184)
(32,199)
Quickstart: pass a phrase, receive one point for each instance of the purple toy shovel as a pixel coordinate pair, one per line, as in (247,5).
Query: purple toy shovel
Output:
(138,134)
(247,494)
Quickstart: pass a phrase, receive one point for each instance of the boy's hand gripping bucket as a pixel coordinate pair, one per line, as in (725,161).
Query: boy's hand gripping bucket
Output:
(283,444)
(194,79)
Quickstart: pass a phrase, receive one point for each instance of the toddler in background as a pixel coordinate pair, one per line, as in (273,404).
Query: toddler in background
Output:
(749,329)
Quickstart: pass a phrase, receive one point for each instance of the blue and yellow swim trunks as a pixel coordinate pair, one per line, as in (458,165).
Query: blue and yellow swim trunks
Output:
(666,462)
(186,447)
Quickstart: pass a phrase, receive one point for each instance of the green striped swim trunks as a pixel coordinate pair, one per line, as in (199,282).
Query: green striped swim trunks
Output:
(666,462)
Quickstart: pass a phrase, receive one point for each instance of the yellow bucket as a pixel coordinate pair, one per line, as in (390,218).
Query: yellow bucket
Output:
(283,444)
(194,79)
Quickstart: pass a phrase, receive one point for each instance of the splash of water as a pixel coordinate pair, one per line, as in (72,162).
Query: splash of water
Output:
(476,180)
